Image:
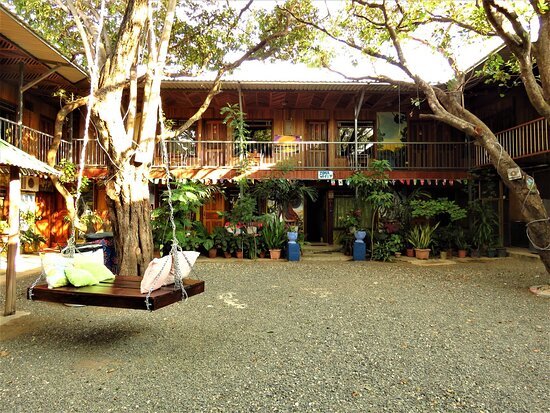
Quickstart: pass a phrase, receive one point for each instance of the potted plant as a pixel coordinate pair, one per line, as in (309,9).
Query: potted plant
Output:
(92,220)
(421,237)
(461,243)
(30,240)
(292,233)
(209,244)
(485,222)
(274,235)
(501,251)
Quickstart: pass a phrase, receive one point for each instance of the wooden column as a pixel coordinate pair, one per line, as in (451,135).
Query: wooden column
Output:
(13,240)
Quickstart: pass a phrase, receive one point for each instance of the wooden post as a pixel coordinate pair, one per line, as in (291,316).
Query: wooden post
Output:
(13,240)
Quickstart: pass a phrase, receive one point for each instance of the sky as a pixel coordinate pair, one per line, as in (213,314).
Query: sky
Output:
(422,60)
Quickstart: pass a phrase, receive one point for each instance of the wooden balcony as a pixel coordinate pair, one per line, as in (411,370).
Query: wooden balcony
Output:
(524,140)
(33,141)
(314,155)
(528,139)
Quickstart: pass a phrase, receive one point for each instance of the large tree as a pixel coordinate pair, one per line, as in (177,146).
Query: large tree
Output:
(126,47)
(385,30)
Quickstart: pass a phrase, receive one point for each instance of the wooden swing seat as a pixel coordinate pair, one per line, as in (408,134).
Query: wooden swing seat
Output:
(124,292)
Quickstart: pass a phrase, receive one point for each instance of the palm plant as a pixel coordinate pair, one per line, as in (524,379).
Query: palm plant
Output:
(485,223)
(284,193)
(421,236)
(274,232)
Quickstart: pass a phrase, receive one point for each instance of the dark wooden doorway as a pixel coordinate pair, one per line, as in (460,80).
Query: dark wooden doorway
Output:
(316,218)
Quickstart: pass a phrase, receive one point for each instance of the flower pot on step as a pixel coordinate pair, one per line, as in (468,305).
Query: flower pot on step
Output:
(275,254)
(501,252)
(422,253)
(461,253)
(410,252)
(212,253)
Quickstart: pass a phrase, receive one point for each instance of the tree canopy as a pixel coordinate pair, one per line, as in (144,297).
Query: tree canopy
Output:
(393,32)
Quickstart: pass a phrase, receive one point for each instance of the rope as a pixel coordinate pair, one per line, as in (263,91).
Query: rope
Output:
(547,248)
(70,249)
(71,243)
(176,252)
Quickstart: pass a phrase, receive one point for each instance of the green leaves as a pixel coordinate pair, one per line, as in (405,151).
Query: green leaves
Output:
(187,198)
(432,208)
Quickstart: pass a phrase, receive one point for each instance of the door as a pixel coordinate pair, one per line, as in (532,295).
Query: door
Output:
(210,217)
(214,152)
(316,218)
(316,155)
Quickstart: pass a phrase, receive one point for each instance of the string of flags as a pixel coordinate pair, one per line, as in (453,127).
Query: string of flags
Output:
(333,182)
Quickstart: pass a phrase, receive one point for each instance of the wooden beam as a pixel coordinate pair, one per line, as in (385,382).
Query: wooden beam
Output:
(13,239)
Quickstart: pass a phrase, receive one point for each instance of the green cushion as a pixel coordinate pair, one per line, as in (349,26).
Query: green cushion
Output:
(80,277)
(54,268)
(97,269)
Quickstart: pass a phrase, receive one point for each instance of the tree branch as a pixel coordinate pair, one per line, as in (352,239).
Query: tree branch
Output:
(84,31)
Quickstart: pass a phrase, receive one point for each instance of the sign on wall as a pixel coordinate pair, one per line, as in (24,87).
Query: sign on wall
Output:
(325,174)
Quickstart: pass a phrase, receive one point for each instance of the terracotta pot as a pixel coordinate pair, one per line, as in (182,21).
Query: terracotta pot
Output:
(239,254)
(422,253)
(461,253)
(275,254)
(262,254)
(212,253)
(475,253)
(410,252)
(227,254)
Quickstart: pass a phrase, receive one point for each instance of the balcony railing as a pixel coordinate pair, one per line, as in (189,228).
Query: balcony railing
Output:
(314,155)
(526,139)
(95,155)
(33,142)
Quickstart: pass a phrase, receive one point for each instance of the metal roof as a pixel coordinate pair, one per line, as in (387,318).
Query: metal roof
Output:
(12,156)
(271,85)
(19,33)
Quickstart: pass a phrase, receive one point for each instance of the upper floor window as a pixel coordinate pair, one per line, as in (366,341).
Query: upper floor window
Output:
(260,130)
(346,136)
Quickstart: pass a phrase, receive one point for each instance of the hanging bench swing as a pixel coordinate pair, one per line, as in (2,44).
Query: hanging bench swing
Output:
(123,292)
(126,291)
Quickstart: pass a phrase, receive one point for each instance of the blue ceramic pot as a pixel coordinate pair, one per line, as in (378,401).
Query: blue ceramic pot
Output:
(360,236)
(292,236)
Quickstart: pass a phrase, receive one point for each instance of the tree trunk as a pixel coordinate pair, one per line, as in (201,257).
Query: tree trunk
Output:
(130,212)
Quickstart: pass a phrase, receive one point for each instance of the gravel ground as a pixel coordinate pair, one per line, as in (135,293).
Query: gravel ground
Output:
(295,337)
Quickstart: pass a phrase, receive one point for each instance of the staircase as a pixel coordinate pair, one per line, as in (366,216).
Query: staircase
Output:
(323,252)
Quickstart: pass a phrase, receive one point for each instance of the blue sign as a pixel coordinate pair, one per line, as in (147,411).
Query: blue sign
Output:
(325,174)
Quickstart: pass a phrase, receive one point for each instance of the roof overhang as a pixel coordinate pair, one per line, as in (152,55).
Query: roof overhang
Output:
(197,84)
(28,41)
(29,165)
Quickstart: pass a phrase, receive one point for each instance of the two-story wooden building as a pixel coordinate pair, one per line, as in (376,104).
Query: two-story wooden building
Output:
(316,131)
